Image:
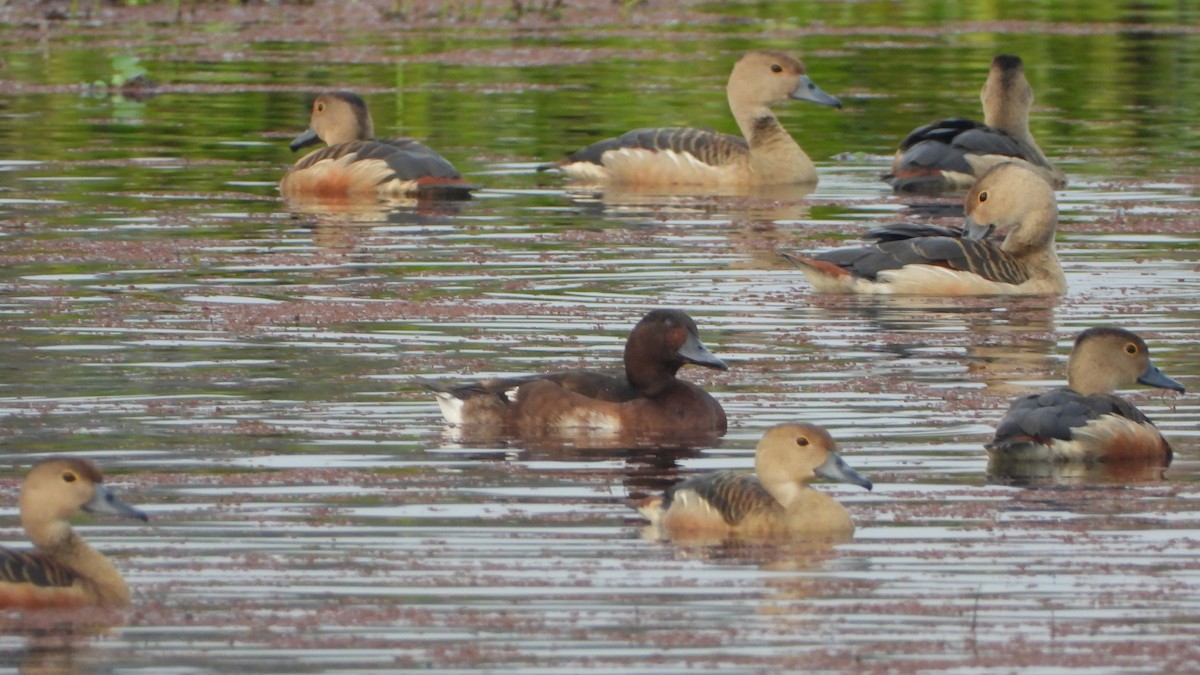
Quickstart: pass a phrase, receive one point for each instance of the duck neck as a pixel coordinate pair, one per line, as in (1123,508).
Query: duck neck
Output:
(61,544)
(1088,377)
(820,511)
(650,379)
(774,154)
(1013,119)
(785,491)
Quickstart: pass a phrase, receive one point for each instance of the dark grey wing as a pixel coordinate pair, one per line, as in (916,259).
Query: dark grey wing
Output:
(966,255)
(1053,414)
(941,131)
(899,231)
(408,159)
(412,160)
(708,146)
(733,495)
(19,567)
(944,146)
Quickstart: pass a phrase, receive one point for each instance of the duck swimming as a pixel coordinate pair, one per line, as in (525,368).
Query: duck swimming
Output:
(1009,200)
(950,154)
(648,400)
(63,570)
(356,164)
(1086,421)
(775,501)
(765,154)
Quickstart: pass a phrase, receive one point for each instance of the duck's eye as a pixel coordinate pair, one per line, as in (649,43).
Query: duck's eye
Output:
(983,196)
(68,477)
(1131,348)
(320,107)
(802,441)
(776,68)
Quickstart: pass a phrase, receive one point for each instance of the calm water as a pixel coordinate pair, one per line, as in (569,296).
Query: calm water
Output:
(242,370)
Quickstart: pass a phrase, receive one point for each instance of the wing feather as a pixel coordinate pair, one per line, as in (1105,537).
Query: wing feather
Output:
(708,146)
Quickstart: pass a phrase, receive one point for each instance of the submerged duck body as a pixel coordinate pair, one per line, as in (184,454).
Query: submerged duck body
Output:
(647,400)
(765,154)
(950,154)
(355,164)
(925,260)
(1086,421)
(776,501)
(63,570)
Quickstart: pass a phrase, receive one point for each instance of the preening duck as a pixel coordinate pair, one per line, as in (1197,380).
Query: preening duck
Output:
(62,570)
(921,260)
(765,154)
(950,154)
(776,501)
(1086,421)
(356,164)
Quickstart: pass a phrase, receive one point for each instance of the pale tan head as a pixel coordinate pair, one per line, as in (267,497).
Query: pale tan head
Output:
(1106,359)
(337,117)
(763,78)
(57,489)
(1007,96)
(790,456)
(1011,199)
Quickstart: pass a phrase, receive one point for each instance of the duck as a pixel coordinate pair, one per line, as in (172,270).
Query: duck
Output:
(1086,422)
(356,164)
(63,570)
(950,154)
(647,401)
(765,154)
(912,259)
(775,502)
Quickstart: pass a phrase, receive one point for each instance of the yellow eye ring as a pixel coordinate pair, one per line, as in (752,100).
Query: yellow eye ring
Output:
(1131,348)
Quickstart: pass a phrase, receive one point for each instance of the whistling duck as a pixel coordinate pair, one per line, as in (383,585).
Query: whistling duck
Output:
(923,260)
(63,570)
(950,154)
(355,164)
(765,154)
(775,501)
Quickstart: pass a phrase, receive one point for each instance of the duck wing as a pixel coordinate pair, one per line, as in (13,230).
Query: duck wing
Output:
(407,159)
(1054,414)
(30,567)
(706,145)
(733,495)
(952,252)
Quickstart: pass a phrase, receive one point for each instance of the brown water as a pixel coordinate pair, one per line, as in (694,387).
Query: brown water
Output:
(242,370)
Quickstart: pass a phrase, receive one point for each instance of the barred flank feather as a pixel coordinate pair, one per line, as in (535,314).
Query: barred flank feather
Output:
(708,146)
(19,567)
(735,496)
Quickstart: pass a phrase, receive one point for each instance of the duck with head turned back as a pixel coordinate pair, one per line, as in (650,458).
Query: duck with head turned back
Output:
(63,570)
(1086,421)
(765,154)
(648,403)
(777,501)
(357,165)
(926,260)
(951,153)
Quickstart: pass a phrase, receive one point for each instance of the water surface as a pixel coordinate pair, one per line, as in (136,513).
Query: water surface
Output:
(242,370)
